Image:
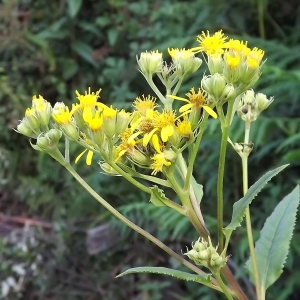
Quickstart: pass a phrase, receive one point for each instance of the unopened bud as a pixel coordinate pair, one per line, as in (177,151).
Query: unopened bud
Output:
(25,129)
(262,101)
(150,62)
(214,85)
(215,64)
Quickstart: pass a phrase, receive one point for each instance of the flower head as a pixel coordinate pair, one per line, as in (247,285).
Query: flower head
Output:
(238,46)
(142,104)
(88,99)
(184,60)
(159,161)
(184,127)
(61,113)
(150,62)
(196,100)
(212,45)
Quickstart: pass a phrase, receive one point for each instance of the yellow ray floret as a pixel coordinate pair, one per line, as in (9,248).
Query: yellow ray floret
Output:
(194,101)
(89,157)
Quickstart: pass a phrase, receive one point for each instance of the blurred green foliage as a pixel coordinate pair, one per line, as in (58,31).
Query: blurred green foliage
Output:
(55,47)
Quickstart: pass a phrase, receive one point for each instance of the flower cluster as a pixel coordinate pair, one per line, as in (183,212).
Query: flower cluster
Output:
(204,254)
(234,67)
(152,135)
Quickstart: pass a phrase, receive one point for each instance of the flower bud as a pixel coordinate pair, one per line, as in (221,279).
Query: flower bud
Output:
(109,122)
(231,67)
(227,94)
(139,157)
(48,141)
(262,101)
(108,169)
(123,119)
(53,135)
(170,155)
(214,85)
(25,129)
(150,62)
(185,61)
(43,109)
(215,64)
(32,119)
(203,253)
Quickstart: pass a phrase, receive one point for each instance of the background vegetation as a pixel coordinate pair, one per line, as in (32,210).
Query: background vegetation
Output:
(49,247)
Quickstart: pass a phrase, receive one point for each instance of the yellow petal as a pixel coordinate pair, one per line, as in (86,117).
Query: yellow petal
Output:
(149,113)
(155,143)
(121,154)
(147,137)
(89,157)
(210,111)
(79,156)
(87,114)
(185,107)
(177,98)
(132,137)
(166,132)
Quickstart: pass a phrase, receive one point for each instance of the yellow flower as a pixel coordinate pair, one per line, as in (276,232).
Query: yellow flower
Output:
(159,161)
(43,109)
(176,53)
(232,61)
(94,120)
(212,45)
(61,113)
(142,104)
(88,99)
(124,147)
(196,101)
(184,127)
(254,58)
(145,125)
(238,46)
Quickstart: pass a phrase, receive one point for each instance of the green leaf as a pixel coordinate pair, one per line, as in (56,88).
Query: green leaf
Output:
(74,6)
(85,51)
(273,245)
(158,196)
(198,189)
(69,68)
(112,36)
(205,279)
(239,207)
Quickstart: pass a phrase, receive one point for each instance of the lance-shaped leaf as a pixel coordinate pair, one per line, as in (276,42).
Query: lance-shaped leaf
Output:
(239,207)
(272,247)
(204,279)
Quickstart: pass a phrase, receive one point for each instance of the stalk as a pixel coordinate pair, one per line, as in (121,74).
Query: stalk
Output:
(245,156)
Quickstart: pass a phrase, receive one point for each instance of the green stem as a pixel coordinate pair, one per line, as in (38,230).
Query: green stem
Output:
(222,285)
(67,150)
(194,152)
(225,133)
(260,13)
(186,203)
(225,125)
(176,89)
(213,284)
(157,91)
(248,217)
(233,284)
(195,206)
(130,178)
